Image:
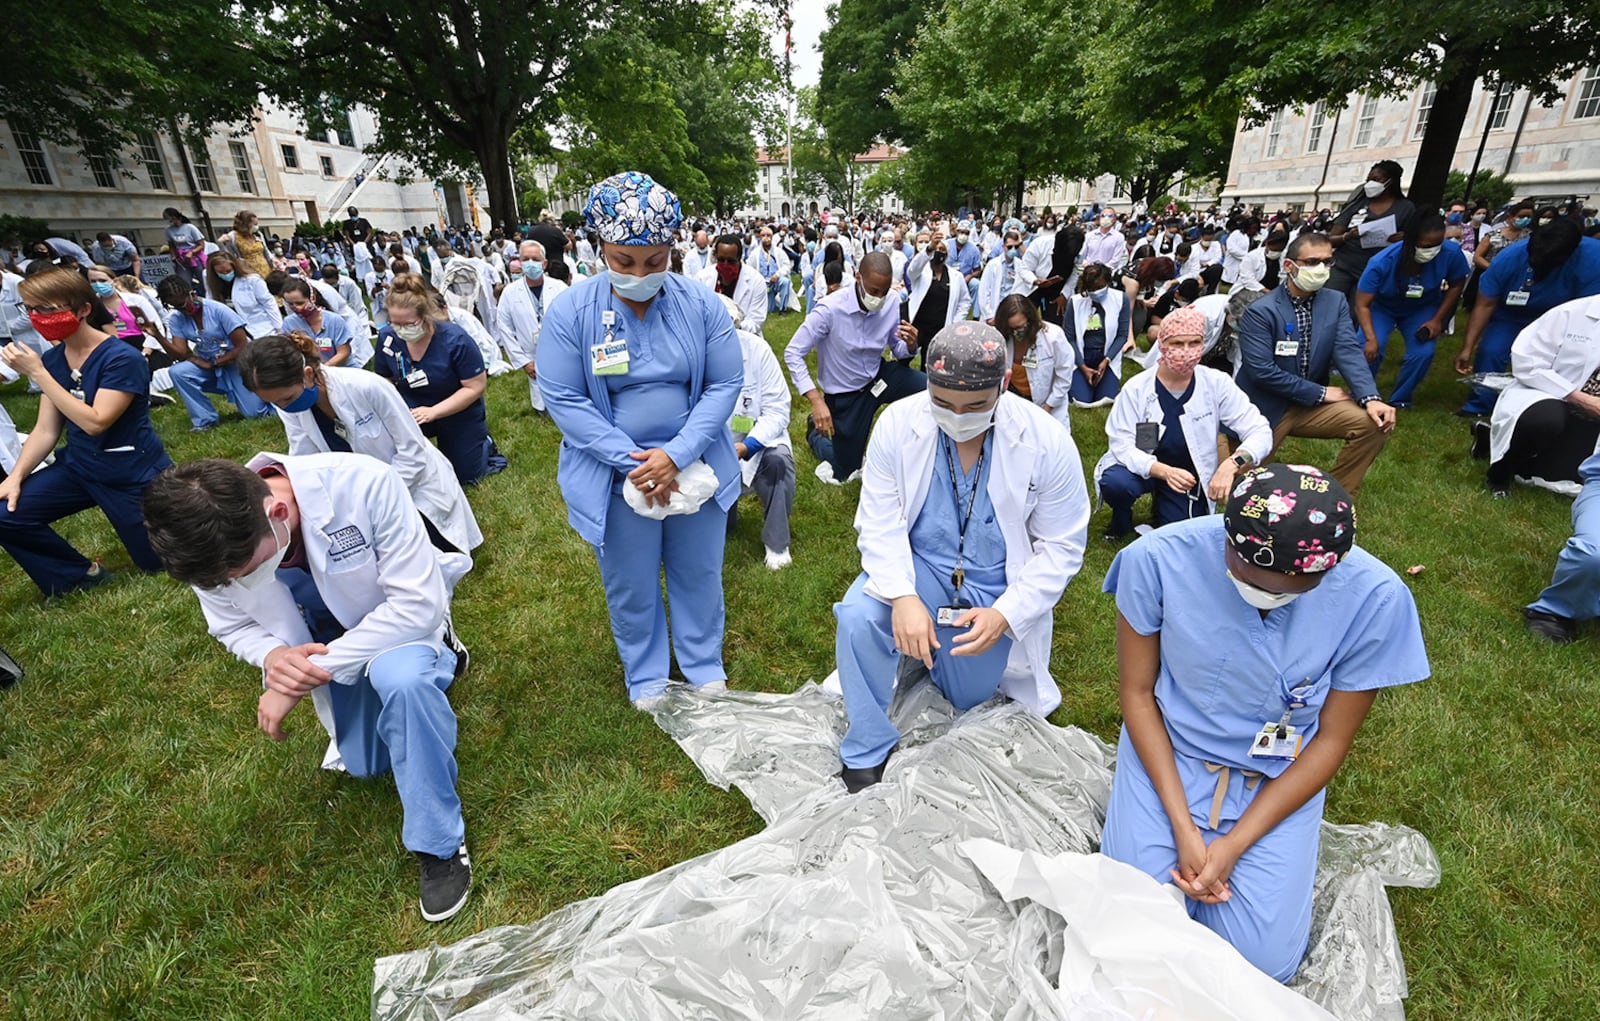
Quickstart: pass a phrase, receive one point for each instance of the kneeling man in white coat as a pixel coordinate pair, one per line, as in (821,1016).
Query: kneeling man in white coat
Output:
(317,569)
(972,520)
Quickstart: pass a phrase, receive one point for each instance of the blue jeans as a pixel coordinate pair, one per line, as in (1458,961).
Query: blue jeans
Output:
(1574,590)
(193,383)
(1419,353)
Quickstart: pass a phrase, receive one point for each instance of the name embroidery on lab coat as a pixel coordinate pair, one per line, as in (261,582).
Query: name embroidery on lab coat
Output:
(344,542)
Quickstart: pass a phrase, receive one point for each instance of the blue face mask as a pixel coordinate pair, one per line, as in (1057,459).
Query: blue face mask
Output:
(631,288)
(1101,294)
(811,246)
(533,271)
(226,278)
(307,398)
(1523,221)
(102,288)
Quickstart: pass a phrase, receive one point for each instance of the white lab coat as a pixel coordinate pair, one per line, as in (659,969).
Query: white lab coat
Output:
(10,439)
(256,306)
(18,326)
(1037,259)
(371,560)
(1050,377)
(1253,267)
(360,339)
(750,294)
(350,291)
(696,262)
(1217,403)
(1040,505)
(764,396)
(517,327)
(921,275)
(1081,306)
(1552,356)
(379,424)
(1203,257)
(990,284)
(1233,253)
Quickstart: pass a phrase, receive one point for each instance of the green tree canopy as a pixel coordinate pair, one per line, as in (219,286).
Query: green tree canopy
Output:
(864,42)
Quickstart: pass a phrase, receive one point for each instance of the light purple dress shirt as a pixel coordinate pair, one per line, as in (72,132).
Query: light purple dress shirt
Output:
(1109,248)
(849,342)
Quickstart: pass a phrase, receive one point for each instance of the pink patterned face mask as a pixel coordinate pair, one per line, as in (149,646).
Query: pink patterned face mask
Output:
(1180,360)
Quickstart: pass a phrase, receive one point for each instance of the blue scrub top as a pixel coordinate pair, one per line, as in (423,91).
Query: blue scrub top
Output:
(333,333)
(210,339)
(1224,668)
(936,533)
(650,402)
(1173,446)
(1578,277)
(452,357)
(129,450)
(1382,279)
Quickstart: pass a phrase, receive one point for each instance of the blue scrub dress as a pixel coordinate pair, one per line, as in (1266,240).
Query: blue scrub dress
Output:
(1391,308)
(1225,671)
(451,357)
(109,471)
(1121,488)
(864,645)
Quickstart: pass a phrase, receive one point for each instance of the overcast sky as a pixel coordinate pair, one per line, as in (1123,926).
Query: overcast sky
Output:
(810,18)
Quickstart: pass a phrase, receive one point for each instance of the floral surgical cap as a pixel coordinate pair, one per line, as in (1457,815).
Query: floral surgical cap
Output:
(967,355)
(1290,518)
(630,208)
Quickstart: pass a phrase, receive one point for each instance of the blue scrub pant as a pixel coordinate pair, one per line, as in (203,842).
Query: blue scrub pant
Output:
(1493,355)
(1574,590)
(868,662)
(396,718)
(1107,389)
(778,295)
(463,438)
(59,491)
(972,297)
(1268,918)
(636,551)
(1419,353)
(853,414)
(193,383)
(1120,488)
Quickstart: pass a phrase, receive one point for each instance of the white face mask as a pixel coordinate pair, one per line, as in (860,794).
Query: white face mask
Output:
(410,332)
(962,237)
(632,288)
(1310,278)
(962,427)
(1261,599)
(265,572)
(1372,189)
(1274,256)
(870,303)
(1426,255)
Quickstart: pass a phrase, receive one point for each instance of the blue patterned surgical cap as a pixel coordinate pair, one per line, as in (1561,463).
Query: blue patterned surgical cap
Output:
(630,208)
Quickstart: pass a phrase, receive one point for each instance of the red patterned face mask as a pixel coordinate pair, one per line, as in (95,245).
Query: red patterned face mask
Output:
(55,326)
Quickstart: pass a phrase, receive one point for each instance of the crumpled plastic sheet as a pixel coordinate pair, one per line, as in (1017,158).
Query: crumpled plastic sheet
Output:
(850,906)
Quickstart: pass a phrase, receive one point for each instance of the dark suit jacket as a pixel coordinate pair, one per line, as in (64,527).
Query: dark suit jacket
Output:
(1273,381)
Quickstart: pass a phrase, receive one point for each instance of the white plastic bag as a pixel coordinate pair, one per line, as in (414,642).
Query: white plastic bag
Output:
(696,484)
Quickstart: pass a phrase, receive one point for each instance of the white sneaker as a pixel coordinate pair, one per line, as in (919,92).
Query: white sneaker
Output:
(825,474)
(777,560)
(855,476)
(649,703)
(1142,529)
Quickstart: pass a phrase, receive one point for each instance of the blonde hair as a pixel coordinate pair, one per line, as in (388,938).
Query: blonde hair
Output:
(129,283)
(411,291)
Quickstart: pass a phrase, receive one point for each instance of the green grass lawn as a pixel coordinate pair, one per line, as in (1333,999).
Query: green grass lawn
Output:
(159,858)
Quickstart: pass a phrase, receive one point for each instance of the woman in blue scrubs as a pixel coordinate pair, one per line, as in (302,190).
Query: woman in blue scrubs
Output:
(95,389)
(1414,284)
(640,368)
(1250,648)
(328,330)
(440,373)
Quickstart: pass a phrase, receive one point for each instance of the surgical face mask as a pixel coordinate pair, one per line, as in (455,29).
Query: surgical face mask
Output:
(631,288)
(307,398)
(226,278)
(265,572)
(410,332)
(1523,222)
(1106,221)
(1372,189)
(1310,278)
(1477,218)
(869,302)
(1274,256)
(1426,255)
(1261,599)
(963,427)
(811,247)
(102,288)
(1101,295)
(962,236)
(532,271)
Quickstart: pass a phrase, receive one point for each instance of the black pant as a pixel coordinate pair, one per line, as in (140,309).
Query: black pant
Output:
(852,417)
(1550,440)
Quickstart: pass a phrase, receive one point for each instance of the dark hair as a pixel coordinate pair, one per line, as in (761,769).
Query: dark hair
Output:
(1094,276)
(833,272)
(729,239)
(1552,244)
(1302,240)
(1008,308)
(1184,250)
(1154,271)
(173,288)
(205,519)
(278,360)
(173,211)
(1421,223)
(1189,289)
(833,251)
(557,269)
(1392,172)
(275,281)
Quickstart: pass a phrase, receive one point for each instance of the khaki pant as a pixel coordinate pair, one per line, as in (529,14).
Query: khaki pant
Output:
(1341,420)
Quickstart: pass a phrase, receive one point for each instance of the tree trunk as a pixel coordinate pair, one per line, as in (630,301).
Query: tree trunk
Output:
(1451,98)
(1022,186)
(493,152)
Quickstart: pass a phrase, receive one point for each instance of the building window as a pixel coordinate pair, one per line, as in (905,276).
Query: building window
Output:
(342,135)
(1424,107)
(1316,120)
(1274,132)
(241,167)
(202,168)
(105,175)
(291,157)
(327,165)
(33,157)
(1500,109)
(1367,113)
(1589,94)
(149,150)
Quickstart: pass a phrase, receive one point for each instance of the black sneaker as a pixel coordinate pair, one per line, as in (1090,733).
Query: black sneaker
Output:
(1552,627)
(1480,440)
(94,577)
(454,644)
(445,883)
(860,779)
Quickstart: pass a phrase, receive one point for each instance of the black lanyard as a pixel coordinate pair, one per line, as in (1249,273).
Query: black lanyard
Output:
(959,575)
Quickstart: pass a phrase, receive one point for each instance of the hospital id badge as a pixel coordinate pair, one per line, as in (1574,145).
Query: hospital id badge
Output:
(1517,298)
(742,424)
(878,388)
(1413,290)
(1288,348)
(341,430)
(1093,323)
(946,616)
(1030,361)
(1276,742)
(609,358)
(416,378)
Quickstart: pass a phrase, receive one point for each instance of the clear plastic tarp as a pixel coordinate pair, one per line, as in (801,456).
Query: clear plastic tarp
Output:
(866,905)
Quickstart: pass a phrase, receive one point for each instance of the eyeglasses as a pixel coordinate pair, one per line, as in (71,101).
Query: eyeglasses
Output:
(1314,262)
(40,310)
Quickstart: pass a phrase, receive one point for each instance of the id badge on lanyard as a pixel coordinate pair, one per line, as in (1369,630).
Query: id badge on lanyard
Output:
(610,356)
(1281,740)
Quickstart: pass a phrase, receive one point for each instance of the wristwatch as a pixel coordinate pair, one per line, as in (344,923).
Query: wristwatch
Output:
(1243,459)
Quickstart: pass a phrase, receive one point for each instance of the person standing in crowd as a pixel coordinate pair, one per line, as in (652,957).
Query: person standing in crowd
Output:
(1573,594)
(1162,433)
(760,426)
(94,389)
(328,408)
(327,331)
(205,337)
(1097,324)
(938,290)
(1242,691)
(440,373)
(117,253)
(1289,341)
(519,315)
(1240,240)
(187,246)
(1414,284)
(849,330)
(734,278)
(316,570)
(973,519)
(641,370)
(357,229)
(1042,360)
(772,265)
(1373,220)
(1106,243)
(1555,265)
(245,244)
